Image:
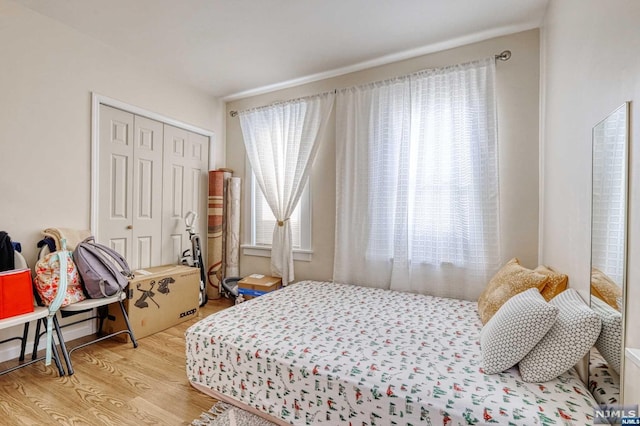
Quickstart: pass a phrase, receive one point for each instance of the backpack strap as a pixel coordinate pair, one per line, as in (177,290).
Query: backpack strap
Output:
(107,264)
(63,257)
(120,260)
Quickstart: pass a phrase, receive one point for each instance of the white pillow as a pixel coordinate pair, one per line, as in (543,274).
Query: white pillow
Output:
(575,331)
(515,329)
(609,343)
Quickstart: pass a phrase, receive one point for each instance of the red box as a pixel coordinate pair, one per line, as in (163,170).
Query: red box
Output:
(16,293)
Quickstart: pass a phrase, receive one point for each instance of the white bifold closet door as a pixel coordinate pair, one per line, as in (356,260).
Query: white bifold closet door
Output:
(150,175)
(185,189)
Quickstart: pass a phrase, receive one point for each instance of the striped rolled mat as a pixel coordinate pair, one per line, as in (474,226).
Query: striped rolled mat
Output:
(215,233)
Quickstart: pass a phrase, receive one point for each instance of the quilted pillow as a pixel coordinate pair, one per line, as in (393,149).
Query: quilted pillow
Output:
(604,288)
(575,331)
(557,282)
(515,329)
(510,280)
(609,343)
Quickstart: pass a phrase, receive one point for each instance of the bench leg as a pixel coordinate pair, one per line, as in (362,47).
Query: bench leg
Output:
(126,321)
(63,347)
(36,340)
(23,342)
(56,358)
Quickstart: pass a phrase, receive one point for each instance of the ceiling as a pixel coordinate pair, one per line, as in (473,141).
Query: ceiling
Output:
(236,48)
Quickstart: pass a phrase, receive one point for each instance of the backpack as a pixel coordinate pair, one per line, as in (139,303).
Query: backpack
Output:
(48,278)
(97,266)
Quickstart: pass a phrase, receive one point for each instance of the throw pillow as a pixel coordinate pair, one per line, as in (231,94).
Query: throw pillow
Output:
(604,288)
(575,331)
(557,282)
(510,280)
(515,329)
(609,343)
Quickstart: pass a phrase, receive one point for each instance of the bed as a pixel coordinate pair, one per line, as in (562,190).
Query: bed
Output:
(320,352)
(604,382)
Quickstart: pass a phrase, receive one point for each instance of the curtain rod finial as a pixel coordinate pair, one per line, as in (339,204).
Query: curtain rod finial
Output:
(504,55)
(233,113)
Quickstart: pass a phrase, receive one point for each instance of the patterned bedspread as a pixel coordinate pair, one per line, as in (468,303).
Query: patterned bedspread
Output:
(604,382)
(318,352)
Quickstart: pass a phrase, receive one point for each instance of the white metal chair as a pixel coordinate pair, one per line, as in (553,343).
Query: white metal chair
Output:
(101,305)
(39,313)
(85,306)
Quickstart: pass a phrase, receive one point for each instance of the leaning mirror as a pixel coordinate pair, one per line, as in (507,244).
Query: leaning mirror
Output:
(608,251)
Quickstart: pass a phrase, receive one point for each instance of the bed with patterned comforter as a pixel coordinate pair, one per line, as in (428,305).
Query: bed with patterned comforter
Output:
(604,382)
(319,352)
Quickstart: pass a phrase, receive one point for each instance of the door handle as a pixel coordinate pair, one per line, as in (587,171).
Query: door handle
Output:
(129,226)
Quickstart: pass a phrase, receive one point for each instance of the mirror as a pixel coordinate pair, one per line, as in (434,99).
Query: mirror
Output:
(608,251)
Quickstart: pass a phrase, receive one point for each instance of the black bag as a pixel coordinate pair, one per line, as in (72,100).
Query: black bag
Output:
(7,254)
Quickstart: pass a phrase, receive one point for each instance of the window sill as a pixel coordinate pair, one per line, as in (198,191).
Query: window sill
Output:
(265,251)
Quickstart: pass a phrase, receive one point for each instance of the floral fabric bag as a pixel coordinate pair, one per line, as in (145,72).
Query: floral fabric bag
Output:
(47,279)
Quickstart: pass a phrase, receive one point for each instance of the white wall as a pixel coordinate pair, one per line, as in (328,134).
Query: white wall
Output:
(518,107)
(591,65)
(47,74)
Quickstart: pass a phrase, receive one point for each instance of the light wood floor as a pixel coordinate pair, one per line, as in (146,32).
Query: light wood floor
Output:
(113,384)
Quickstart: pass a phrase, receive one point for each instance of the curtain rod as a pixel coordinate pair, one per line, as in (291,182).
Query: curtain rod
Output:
(505,55)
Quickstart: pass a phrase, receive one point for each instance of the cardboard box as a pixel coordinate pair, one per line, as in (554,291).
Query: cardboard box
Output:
(158,298)
(16,293)
(262,283)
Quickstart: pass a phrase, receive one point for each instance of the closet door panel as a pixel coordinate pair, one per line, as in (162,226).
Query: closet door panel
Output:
(199,145)
(147,193)
(120,182)
(115,167)
(174,236)
(176,191)
(119,244)
(185,160)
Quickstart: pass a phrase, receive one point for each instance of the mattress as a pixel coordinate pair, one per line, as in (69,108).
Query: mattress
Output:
(320,352)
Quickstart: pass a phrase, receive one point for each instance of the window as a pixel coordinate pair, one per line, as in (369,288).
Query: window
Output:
(261,223)
(417,170)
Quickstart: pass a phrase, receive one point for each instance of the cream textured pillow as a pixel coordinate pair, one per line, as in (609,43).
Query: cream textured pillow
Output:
(557,282)
(510,280)
(572,335)
(609,343)
(604,288)
(515,329)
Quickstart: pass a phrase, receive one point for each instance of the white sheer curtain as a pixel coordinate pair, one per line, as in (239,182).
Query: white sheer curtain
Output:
(281,142)
(417,182)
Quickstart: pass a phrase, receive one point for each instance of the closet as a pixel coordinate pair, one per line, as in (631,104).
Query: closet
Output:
(150,174)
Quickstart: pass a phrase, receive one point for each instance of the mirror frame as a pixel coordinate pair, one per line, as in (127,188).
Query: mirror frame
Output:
(626,107)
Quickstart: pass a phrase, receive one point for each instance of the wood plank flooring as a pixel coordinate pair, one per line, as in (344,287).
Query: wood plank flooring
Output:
(113,384)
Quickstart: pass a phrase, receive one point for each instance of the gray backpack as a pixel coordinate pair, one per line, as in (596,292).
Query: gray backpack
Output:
(96,264)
